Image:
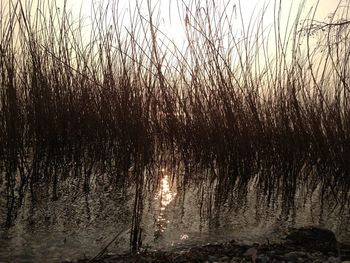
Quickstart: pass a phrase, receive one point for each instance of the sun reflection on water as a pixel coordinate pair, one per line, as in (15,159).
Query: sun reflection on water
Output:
(165,196)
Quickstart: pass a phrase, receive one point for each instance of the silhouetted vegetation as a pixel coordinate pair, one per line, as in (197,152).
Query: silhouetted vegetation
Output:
(127,101)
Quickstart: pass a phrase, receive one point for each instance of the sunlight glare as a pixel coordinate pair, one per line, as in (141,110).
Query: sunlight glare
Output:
(165,196)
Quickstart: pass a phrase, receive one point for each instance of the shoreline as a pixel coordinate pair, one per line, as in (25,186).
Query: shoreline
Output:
(234,252)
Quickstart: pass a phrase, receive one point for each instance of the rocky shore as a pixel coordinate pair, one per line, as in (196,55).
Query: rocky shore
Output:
(301,245)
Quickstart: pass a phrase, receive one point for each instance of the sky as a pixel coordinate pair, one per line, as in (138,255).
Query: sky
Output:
(172,13)
(247,6)
(173,24)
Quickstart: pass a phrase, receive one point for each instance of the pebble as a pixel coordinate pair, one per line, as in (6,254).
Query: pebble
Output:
(262,259)
(144,260)
(334,260)
(224,259)
(250,252)
(295,256)
(212,259)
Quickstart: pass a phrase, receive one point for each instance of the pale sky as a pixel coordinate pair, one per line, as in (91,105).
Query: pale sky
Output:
(168,9)
(172,23)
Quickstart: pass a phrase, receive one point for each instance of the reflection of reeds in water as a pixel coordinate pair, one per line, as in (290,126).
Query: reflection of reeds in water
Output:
(122,100)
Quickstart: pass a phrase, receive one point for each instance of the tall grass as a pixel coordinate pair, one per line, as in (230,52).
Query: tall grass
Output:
(129,99)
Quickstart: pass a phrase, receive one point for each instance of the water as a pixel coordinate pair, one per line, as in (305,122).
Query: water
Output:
(80,223)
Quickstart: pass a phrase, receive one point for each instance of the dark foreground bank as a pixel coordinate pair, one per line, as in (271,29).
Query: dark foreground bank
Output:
(301,245)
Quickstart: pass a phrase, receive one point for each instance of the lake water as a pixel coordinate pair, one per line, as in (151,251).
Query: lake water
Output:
(80,223)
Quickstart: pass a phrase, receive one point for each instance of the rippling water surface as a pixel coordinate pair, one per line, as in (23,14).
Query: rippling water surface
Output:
(80,223)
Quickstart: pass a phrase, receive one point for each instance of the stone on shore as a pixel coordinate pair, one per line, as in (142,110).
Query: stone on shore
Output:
(314,238)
